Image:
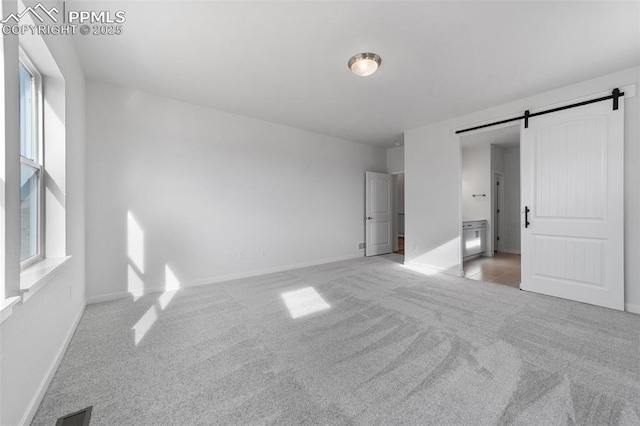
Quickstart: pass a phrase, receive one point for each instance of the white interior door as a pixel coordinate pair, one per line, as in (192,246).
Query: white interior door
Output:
(379,214)
(572,193)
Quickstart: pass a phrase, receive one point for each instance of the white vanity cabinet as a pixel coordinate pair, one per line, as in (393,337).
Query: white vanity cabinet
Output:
(474,237)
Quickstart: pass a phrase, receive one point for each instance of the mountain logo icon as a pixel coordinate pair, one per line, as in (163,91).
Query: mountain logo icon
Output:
(39,12)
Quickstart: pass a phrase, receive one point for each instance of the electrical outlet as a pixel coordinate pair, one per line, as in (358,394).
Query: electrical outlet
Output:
(362,246)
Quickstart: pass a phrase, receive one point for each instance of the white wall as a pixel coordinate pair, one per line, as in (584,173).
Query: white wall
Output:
(34,336)
(511,236)
(497,158)
(203,185)
(432,172)
(395,159)
(476,179)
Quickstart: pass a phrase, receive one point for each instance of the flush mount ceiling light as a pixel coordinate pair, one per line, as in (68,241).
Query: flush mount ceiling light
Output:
(364,64)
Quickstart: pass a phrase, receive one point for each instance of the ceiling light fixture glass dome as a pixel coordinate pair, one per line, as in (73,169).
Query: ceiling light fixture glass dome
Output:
(364,64)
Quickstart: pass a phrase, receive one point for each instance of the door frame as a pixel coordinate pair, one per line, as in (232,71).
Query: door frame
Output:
(368,220)
(458,139)
(395,210)
(497,202)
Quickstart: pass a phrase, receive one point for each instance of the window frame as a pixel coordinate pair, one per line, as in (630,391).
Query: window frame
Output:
(39,161)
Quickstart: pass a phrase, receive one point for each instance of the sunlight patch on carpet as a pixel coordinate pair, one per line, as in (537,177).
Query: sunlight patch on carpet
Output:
(144,324)
(304,302)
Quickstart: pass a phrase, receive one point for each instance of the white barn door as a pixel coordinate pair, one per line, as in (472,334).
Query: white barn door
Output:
(379,214)
(572,199)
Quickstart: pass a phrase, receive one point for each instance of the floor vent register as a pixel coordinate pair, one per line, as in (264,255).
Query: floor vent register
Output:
(79,418)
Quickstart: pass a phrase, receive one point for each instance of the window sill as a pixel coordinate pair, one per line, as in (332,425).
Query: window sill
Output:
(6,307)
(34,277)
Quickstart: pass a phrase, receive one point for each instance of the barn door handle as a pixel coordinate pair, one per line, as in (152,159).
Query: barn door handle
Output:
(526,216)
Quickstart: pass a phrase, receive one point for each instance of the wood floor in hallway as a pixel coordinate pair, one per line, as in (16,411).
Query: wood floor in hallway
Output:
(400,245)
(502,268)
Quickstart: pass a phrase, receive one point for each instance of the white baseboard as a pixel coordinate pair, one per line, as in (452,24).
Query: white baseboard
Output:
(27,418)
(512,251)
(107,297)
(477,255)
(634,309)
(240,275)
(222,278)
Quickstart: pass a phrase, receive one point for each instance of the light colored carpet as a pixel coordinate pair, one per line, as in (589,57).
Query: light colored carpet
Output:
(394,347)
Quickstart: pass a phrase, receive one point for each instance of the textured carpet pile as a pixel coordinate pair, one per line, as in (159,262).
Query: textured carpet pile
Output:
(393,347)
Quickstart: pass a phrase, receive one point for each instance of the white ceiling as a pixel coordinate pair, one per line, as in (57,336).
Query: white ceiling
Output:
(286,62)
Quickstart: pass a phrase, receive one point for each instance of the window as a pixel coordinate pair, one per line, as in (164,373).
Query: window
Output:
(31,164)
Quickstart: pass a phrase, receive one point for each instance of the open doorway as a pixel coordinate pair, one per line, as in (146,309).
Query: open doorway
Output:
(398,208)
(491,205)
